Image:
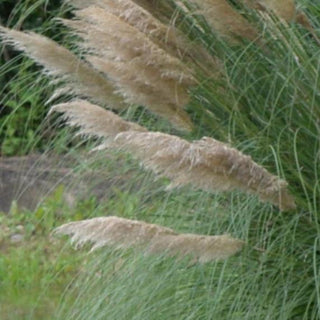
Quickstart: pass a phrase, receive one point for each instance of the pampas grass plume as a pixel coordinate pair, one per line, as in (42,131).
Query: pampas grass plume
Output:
(225,20)
(206,164)
(166,36)
(155,239)
(78,77)
(142,71)
(93,120)
(284,9)
(145,74)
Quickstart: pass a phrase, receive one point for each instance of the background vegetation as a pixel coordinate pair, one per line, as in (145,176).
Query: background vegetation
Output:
(23,89)
(269,109)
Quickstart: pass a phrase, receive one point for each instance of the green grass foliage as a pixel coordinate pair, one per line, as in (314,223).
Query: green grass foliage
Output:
(268,108)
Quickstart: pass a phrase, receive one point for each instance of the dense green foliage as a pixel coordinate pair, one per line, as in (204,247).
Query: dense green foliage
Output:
(23,90)
(269,109)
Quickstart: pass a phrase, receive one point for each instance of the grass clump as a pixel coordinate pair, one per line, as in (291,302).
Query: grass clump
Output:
(257,91)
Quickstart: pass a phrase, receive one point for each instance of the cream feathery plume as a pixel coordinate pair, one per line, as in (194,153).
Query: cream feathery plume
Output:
(123,233)
(206,164)
(93,120)
(142,84)
(135,15)
(284,9)
(135,89)
(167,37)
(225,20)
(59,62)
(128,42)
(144,73)
(159,9)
